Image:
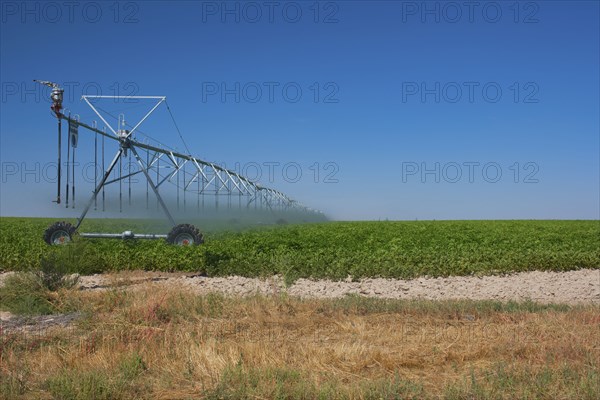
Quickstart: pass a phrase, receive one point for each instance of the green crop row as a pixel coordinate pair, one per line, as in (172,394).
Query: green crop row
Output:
(323,250)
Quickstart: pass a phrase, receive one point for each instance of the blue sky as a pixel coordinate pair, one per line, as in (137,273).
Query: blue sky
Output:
(408,110)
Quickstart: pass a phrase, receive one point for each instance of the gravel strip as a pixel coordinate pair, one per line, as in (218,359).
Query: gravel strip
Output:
(572,287)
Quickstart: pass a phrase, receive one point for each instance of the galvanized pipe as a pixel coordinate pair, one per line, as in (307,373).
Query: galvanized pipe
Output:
(124,235)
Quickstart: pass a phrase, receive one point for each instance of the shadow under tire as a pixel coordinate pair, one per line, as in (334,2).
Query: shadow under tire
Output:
(59,233)
(185,235)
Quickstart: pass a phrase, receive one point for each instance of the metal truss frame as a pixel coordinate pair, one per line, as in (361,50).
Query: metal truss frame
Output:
(206,177)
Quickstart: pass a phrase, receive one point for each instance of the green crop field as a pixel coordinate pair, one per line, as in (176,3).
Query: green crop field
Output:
(320,250)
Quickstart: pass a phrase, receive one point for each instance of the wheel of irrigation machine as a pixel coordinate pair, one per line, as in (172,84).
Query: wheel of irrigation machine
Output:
(185,235)
(59,233)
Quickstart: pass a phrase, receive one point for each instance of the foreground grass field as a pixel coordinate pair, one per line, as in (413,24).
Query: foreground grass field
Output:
(170,344)
(321,250)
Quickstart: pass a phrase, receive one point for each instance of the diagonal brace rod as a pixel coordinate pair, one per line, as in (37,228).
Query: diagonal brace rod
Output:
(154,188)
(97,190)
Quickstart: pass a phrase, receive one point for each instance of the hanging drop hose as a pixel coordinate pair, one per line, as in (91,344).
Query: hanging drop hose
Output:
(157,178)
(120,184)
(59,160)
(129,180)
(73,178)
(177,188)
(68,160)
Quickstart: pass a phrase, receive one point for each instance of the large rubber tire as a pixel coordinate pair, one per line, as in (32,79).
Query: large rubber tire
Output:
(185,235)
(59,233)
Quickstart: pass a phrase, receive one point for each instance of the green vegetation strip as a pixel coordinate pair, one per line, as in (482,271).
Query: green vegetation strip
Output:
(320,250)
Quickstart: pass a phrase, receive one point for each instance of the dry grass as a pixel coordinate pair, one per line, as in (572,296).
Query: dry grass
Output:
(164,343)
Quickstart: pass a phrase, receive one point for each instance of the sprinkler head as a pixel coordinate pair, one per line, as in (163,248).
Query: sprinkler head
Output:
(56,96)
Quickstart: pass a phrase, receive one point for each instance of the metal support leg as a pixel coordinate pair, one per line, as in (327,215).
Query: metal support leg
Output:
(100,185)
(95,167)
(147,163)
(103,194)
(154,188)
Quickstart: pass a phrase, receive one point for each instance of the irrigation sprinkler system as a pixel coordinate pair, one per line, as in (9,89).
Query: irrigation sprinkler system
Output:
(158,165)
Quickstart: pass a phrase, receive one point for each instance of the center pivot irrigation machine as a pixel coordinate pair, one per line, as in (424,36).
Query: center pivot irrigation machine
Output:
(205,178)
